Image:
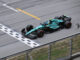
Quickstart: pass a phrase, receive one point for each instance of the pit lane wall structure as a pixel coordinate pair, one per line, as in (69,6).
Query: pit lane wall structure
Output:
(62,49)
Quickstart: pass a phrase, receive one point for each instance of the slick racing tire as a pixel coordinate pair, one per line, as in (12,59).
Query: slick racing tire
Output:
(68,24)
(29,27)
(60,17)
(40,33)
(23,31)
(68,19)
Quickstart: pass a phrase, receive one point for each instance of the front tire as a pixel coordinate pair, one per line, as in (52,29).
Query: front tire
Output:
(40,33)
(23,31)
(29,27)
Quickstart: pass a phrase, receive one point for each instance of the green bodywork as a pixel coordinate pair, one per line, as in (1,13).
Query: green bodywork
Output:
(53,25)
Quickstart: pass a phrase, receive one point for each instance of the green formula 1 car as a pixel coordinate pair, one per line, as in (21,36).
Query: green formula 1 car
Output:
(51,25)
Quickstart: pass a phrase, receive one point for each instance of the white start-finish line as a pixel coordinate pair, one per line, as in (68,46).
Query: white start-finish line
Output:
(18,36)
(10,7)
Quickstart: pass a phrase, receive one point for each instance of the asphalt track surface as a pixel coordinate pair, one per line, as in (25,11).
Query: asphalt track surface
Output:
(44,9)
(77,58)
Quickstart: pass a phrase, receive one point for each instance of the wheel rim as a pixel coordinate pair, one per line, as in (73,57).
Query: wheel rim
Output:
(40,33)
(68,25)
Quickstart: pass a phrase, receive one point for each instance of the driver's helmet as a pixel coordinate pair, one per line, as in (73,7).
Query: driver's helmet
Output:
(50,18)
(49,21)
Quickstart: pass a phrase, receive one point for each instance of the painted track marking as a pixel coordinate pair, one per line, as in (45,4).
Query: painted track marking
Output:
(18,9)
(10,7)
(18,36)
(28,13)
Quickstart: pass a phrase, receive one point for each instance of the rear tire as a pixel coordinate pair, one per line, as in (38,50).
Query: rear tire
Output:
(68,19)
(40,33)
(68,24)
(29,27)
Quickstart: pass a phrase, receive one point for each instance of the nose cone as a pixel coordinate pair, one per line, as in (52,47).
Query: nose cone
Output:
(32,36)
